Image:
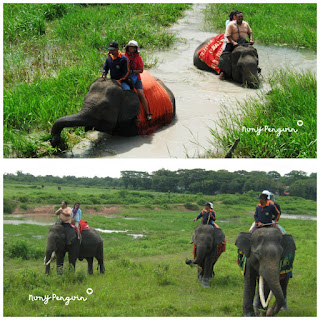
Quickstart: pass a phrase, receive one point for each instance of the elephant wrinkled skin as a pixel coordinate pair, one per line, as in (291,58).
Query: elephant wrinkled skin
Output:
(106,108)
(61,240)
(240,65)
(264,249)
(206,240)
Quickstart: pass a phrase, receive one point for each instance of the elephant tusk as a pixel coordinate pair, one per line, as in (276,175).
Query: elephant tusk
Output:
(264,303)
(52,256)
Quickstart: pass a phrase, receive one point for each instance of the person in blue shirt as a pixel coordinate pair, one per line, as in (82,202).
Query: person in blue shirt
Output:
(118,65)
(207,213)
(76,215)
(265,213)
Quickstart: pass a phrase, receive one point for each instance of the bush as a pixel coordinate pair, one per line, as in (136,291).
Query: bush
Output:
(191,206)
(8,206)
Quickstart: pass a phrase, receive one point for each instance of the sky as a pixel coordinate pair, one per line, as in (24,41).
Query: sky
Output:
(113,167)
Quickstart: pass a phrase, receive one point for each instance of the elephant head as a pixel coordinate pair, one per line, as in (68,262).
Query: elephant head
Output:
(105,107)
(60,240)
(264,249)
(206,240)
(241,65)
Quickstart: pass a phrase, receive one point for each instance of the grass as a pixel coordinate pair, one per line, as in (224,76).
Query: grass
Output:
(147,276)
(48,69)
(283,24)
(291,99)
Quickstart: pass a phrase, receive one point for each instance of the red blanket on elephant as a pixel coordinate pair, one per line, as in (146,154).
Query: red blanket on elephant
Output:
(160,106)
(83,225)
(211,52)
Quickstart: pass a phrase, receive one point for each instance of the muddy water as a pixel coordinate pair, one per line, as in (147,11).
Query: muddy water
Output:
(199,96)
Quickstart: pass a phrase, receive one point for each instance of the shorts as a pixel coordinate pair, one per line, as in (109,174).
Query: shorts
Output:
(125,86)
(138,85)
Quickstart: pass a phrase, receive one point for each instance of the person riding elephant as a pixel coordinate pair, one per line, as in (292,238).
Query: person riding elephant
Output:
(61,240)
(108,108)
(209,243)
(269,257)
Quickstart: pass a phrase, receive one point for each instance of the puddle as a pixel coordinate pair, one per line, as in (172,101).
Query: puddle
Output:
(297,217)
(18,222)
(134,235)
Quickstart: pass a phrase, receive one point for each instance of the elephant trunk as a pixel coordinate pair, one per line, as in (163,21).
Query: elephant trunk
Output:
(272,278)
(75,120)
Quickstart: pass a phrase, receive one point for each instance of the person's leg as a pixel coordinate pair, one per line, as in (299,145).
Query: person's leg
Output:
(144,103)
(125,86)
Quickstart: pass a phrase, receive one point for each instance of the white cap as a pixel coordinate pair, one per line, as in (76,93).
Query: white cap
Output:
(268,193)
(133,43)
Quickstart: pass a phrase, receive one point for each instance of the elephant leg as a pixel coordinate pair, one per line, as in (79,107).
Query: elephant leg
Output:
(90,265)
(284,284)
(249,291)
(60,261)
(200,273)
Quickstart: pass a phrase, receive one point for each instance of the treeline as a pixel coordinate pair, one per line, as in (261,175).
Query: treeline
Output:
(295,183)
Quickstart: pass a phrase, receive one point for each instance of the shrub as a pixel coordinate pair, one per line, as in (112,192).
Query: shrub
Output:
(8,206)
(191,206)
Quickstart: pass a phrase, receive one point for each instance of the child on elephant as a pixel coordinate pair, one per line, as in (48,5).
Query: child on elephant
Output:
(136,67)
(76,215)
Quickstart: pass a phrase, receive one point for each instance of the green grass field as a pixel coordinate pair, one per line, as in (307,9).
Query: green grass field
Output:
(147,276)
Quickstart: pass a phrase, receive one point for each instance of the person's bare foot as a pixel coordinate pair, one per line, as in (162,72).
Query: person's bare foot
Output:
(221,76)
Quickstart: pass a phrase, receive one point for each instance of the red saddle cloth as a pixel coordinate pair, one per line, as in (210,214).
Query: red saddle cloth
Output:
(83,225)
(211,52)
(160,106)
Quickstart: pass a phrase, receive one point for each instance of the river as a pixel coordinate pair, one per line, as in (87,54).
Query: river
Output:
(199,96)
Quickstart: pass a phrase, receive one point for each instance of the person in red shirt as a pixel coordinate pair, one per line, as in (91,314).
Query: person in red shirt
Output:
(136,67)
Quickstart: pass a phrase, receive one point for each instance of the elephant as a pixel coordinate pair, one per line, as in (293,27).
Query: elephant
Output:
(240,65)
(206,240)
(63,238)
(264,249)
(108,108)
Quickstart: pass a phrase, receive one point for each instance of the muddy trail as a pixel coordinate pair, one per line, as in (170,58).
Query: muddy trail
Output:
(199,97)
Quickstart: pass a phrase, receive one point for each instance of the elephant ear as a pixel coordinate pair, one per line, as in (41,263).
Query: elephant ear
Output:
(288,245)
(218,236)
(243,242)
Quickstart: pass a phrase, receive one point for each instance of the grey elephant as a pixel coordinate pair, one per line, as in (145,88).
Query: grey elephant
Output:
(108,108)
(240,65)
(209,243)
(264,250)
(62,239)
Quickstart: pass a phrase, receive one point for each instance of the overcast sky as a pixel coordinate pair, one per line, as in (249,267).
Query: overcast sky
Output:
(113,167)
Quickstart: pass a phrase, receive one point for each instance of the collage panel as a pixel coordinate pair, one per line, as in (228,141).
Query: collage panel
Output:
(160,80)
(181,238)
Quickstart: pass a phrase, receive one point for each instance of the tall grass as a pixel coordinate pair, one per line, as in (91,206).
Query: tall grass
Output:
(285,24)
(290,104)
(52,53)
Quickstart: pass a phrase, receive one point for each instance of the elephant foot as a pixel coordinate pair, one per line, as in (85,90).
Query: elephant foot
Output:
(249,314)
(102,269)
(205,283)
(285,306)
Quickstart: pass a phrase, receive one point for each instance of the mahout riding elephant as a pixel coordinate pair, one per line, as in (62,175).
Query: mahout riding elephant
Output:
(240,65)
(62,239)
(264,249)
(108,108)
(206,241)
